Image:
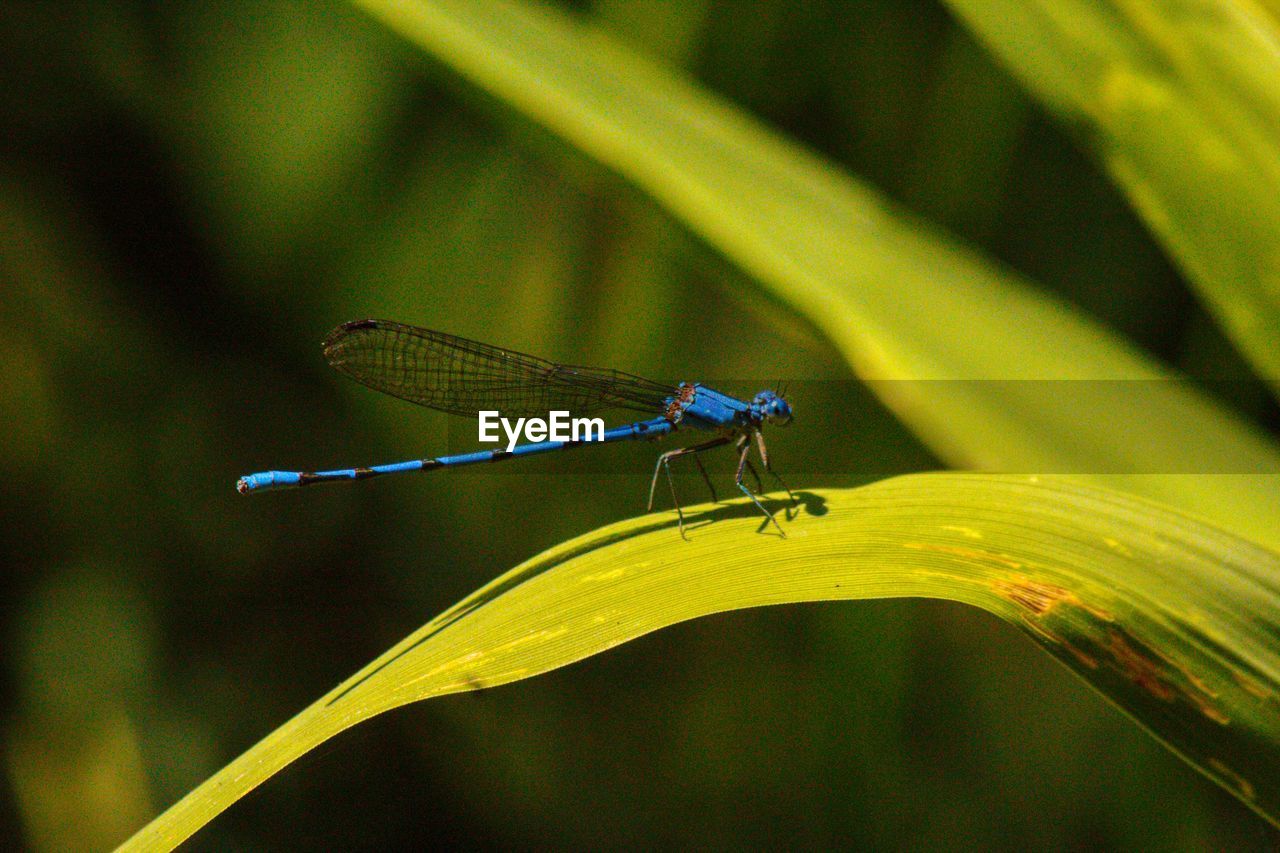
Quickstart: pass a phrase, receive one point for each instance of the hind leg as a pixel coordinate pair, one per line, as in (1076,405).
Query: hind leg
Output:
(664,464)
(742,464)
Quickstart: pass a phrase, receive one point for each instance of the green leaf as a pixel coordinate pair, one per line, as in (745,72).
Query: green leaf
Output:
(1179,101)
(1176,622)
(1173,619)
(900,301)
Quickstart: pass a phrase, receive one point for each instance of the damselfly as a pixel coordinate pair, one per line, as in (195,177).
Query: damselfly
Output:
(463,377)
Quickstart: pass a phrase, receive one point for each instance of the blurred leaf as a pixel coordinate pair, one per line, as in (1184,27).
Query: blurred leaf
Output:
(898,299)
(279,110)
(1179,100)
(1176,622)
(671,30)
(73,753)
(964,154)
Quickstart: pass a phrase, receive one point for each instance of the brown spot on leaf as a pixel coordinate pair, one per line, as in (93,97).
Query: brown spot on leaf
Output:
(975,554)
(1251,685)
(1154,673)
(1139,668)
(1213,712)
(1050,611)
(1033,596)
(1085,660)
(1039,601)
(1039,598)
(1196,681)
(1232,779)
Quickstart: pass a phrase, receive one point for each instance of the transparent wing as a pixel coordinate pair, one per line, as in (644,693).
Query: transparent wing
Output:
(462,377)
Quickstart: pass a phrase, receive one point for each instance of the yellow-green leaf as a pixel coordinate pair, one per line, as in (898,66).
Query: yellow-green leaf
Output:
(900,301)
(1180,101)
(1175,621)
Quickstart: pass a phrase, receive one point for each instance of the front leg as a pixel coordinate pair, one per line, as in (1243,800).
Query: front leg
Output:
(764,457)
(743,442)
(742,464)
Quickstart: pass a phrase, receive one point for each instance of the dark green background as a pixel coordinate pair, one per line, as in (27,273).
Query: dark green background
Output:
(192,194)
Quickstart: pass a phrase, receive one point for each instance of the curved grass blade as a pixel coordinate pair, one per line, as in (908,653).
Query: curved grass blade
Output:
(899,300)
(1173,620)
(1179,101)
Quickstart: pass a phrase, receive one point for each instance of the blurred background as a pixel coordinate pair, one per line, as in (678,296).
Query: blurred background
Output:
(192,195)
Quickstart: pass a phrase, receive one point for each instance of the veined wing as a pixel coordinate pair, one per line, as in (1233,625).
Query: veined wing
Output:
(462,377)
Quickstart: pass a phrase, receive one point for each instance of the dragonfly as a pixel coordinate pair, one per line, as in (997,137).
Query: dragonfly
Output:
(463,377)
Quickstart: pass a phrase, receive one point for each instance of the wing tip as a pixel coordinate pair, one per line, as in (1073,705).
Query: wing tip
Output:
(334,338)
